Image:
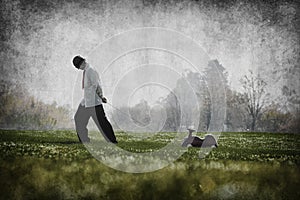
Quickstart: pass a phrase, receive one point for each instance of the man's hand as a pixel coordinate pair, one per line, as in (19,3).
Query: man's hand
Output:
(104,100)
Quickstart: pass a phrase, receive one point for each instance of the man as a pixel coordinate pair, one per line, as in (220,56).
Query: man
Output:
(91,105)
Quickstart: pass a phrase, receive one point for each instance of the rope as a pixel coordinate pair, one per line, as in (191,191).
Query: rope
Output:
(129,117)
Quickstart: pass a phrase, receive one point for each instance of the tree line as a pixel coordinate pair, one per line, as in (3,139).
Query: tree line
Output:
(250,109)
(20,110)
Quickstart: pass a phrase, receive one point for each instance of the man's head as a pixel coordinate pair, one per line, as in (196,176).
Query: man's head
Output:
(79,62)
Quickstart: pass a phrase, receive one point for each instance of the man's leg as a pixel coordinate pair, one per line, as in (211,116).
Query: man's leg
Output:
(105,126)
(82,117)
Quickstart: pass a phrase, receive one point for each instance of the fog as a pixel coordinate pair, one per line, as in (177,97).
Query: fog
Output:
(40,38)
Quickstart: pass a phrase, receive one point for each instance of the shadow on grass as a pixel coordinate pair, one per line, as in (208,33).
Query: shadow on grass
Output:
(60,142)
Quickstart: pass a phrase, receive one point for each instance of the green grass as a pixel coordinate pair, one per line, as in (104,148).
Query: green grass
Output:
(53,165)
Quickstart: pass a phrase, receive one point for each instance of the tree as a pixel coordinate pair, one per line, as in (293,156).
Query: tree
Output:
(140,113)
(274,119)
(216,79)
(172,107)
(235,119)
(254,96)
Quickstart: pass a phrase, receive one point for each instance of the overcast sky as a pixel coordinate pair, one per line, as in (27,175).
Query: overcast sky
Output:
(40,39)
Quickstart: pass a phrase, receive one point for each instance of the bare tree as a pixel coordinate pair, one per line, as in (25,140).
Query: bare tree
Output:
(255,96)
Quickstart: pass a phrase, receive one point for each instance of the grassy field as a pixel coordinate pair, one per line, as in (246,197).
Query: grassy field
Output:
(53,165)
